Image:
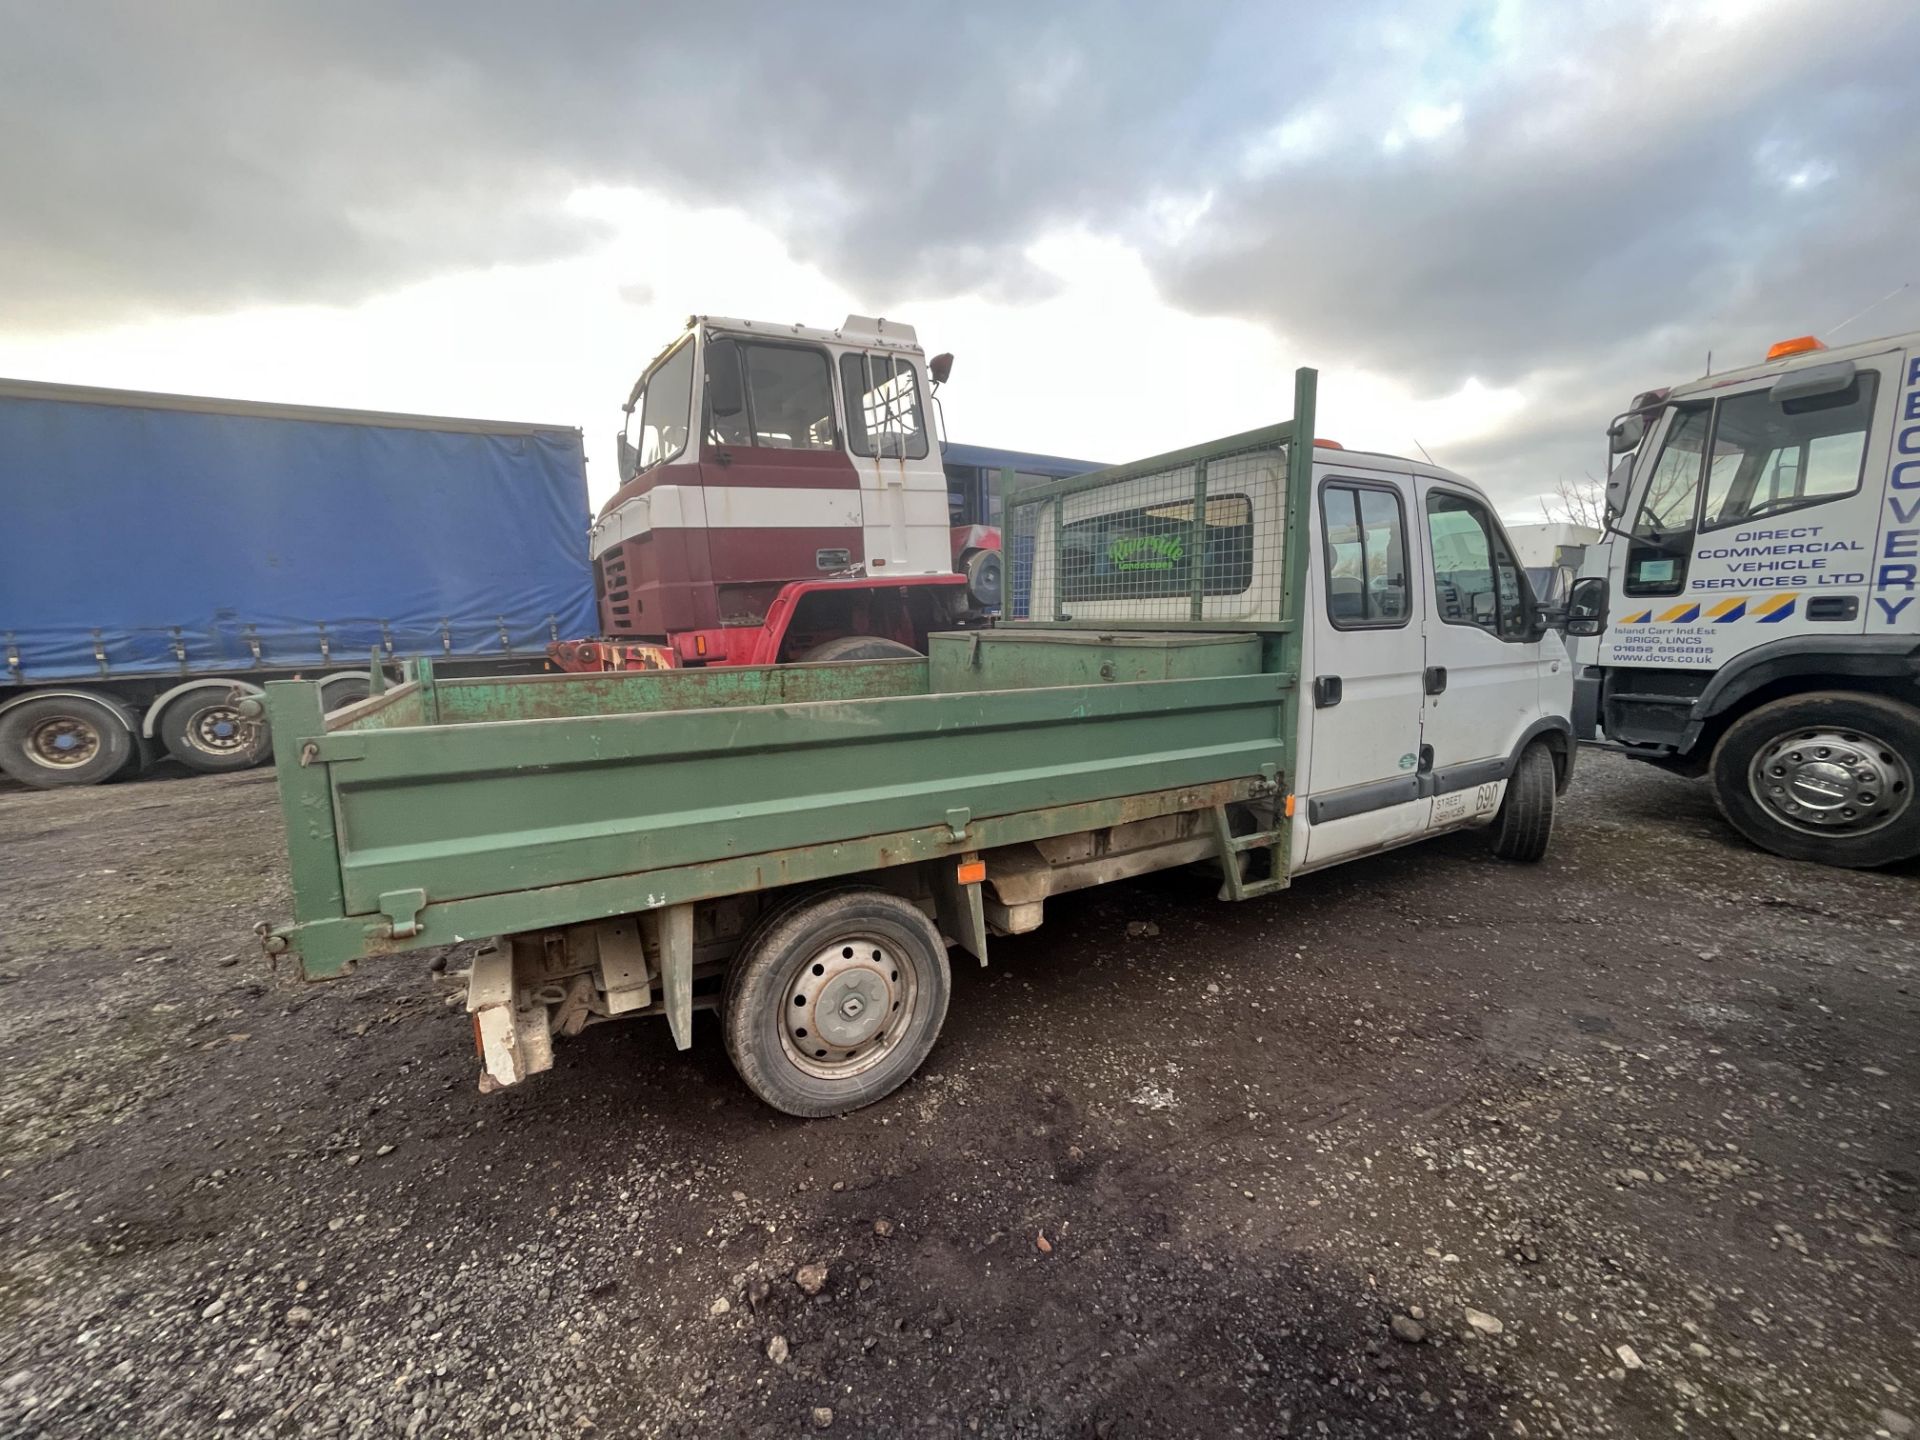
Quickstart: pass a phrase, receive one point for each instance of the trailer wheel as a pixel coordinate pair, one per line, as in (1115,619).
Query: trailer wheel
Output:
(64,740)
(1827,777)
(205,731)
(1524,823)
(835,1000)
(348,688)
(861,647)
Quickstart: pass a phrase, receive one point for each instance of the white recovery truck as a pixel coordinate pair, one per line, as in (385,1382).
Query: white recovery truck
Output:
(1751,614)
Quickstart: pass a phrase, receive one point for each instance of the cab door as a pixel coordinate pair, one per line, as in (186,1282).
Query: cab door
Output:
(1367,658)
(1481,684)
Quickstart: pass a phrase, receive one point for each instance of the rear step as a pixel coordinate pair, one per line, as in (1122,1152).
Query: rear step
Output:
(1232,847)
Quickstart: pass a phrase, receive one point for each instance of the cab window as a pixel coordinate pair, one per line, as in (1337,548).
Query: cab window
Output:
(1662,536)
(787,392)
(883,406)
(1772,456)
(1475,578)
(1148,552)
(1363,529)
(662,413)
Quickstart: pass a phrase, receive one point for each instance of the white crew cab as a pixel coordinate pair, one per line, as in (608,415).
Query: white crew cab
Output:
(1434,682)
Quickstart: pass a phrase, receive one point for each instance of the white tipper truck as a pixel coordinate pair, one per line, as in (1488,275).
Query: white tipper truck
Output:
(1751,613)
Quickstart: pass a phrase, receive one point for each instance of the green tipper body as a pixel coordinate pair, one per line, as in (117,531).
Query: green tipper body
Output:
(459,809)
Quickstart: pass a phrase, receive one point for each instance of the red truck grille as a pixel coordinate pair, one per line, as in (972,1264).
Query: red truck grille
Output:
(615,596)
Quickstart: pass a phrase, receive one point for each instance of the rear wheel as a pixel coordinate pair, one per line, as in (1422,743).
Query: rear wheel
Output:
(1827,777)
(835,1000)
(862,647)
(205,731)
(1524,824)
(60,740)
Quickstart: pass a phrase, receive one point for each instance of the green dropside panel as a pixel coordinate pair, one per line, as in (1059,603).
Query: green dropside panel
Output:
(483,699)
(462,810)
(1022,659)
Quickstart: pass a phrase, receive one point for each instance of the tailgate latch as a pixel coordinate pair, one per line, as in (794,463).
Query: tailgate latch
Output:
(402,909)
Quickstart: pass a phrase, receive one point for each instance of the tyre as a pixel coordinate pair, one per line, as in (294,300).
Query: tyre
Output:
(985,575)
(835,1000)
(339,691)
(861,647)
(1826,777)
(205,731)
(59,740)
(1524,823)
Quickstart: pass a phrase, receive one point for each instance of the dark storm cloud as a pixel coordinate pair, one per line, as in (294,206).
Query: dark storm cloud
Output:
(1643,186)
(1595,222)
(1561,199)
(185,157)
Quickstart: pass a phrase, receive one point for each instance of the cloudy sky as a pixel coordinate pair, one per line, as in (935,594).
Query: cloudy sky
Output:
(1486,223)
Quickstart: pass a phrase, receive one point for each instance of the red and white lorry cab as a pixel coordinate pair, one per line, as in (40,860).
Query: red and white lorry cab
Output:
(783,498)
(1751,613)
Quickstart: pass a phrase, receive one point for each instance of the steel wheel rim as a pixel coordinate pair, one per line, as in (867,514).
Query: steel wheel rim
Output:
(63,742)
(1830,781)
(845,1008)
(220,730)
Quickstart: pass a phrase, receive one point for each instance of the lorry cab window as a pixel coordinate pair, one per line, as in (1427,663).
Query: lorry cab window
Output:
(1663,525)
(883,406)
(1770,456)
(787,397)
(665,408)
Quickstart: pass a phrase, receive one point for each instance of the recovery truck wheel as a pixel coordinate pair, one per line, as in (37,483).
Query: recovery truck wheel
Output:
(1826,777)
(64,740)
(205,731)
(1524,823)
(862,647)
(835,1000)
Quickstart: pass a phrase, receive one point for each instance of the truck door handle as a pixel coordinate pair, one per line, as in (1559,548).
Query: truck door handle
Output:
(1326,691)
(1436,679)
(1833,607)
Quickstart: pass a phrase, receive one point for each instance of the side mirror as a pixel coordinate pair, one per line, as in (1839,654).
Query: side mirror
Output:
(940,367)
(1587,606)
(629,457)
(1626,433)
(726,393)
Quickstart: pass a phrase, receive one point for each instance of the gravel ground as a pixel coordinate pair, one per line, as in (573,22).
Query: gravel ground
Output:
(1623,1144)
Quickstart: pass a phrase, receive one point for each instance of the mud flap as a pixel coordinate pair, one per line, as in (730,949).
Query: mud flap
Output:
(958,904)
(513,1043)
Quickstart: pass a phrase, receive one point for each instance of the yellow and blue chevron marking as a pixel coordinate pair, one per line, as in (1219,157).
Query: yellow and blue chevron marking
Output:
(1768,611)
